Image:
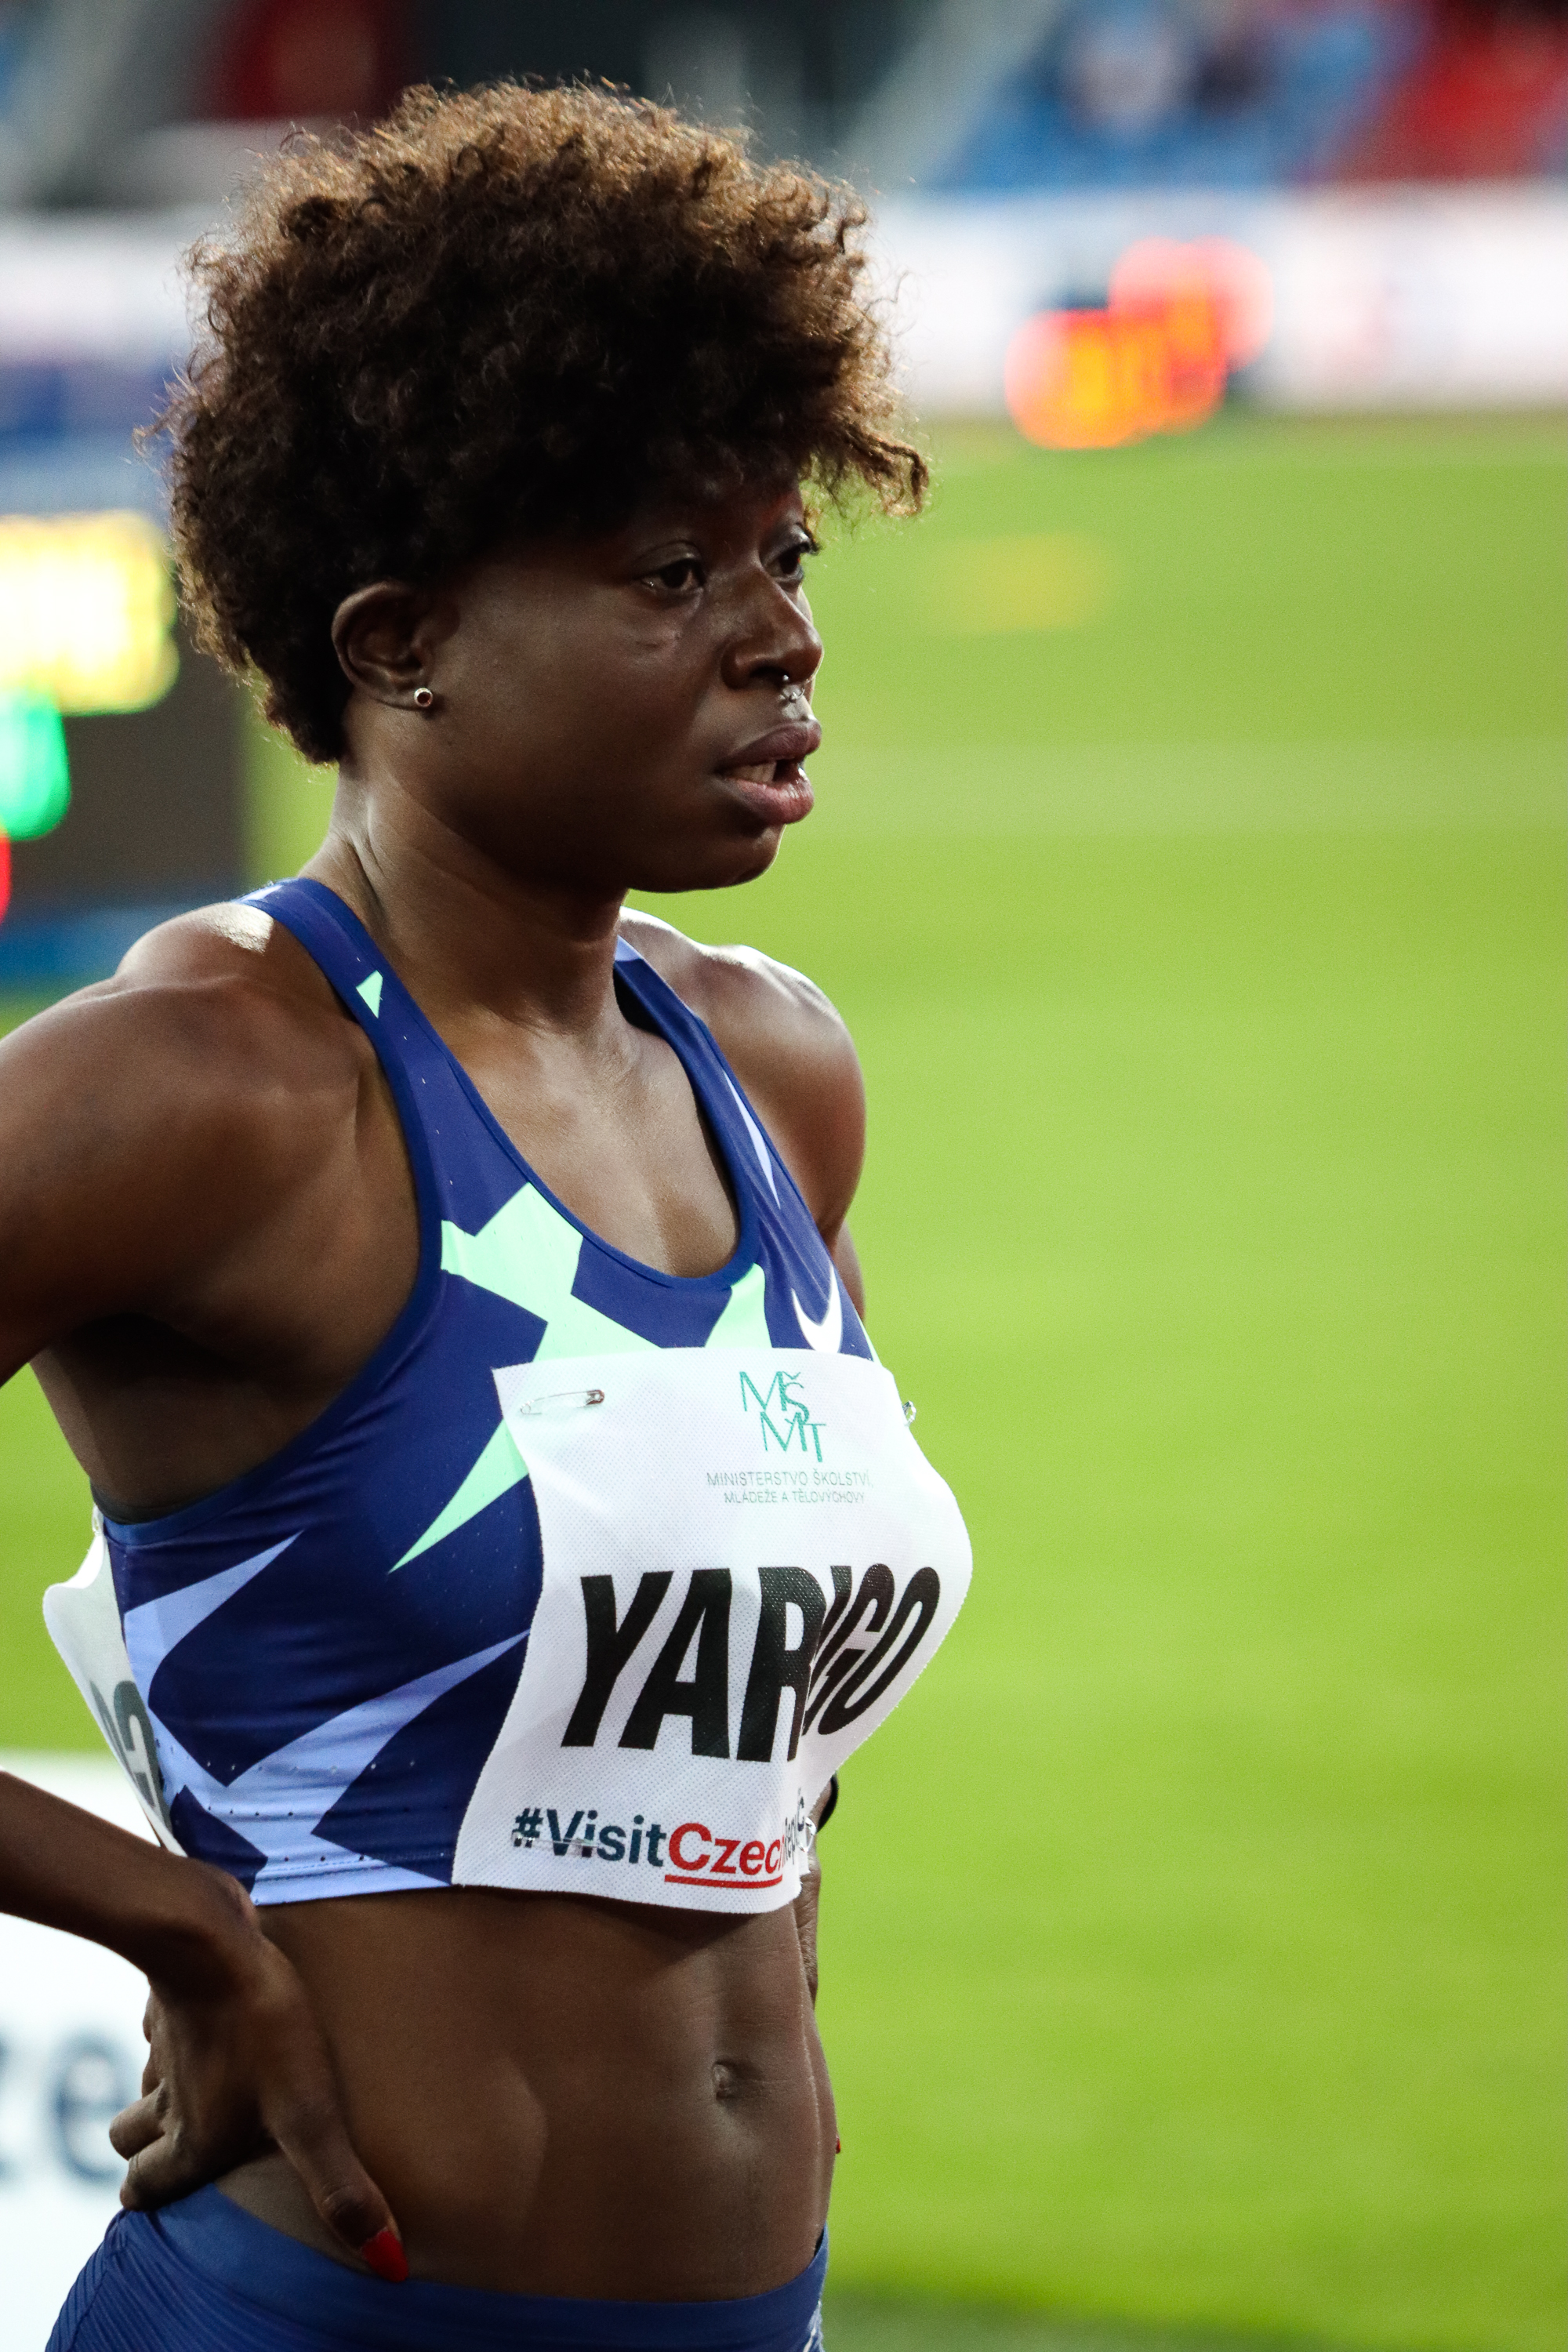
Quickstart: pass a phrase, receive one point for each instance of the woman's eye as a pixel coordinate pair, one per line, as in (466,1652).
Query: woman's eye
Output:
(683,574)
(791,560)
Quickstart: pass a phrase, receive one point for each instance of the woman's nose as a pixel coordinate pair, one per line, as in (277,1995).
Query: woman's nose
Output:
(783,644)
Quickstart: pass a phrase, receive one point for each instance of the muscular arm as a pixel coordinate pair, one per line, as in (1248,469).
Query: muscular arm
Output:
(796,1059)
(148,1145)
(205,1223)
(144,1154)
(89,1095)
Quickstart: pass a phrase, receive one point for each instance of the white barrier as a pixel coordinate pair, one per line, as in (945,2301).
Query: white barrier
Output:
(1399,297)
(70,2057)
(1406,298)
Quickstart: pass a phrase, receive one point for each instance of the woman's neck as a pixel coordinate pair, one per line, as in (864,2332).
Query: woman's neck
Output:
(466,934)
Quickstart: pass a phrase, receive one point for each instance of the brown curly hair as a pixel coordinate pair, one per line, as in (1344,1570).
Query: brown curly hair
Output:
(503,312)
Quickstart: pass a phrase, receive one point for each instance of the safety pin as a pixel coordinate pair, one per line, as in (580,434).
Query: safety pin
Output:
(562,1397)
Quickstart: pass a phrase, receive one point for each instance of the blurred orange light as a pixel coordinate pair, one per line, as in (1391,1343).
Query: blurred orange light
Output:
(1155,360)
(1212,269)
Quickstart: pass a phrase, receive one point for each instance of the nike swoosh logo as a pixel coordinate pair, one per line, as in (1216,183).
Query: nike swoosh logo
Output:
(828,1336)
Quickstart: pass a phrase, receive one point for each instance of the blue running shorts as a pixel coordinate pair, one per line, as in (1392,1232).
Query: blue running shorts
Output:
(205,2276)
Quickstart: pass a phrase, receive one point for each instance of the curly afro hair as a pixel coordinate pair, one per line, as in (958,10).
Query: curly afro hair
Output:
(505,312)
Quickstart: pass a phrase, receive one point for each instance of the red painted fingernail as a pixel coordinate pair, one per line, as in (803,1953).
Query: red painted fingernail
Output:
(837,2146)
(385,2256)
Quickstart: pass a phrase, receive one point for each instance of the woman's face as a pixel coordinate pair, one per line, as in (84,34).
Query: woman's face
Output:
(608,712)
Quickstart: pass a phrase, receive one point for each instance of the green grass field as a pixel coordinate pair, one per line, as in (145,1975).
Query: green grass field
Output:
(1190,864)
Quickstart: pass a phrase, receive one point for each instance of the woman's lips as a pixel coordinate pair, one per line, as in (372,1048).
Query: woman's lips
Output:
(767,775)
(779,792)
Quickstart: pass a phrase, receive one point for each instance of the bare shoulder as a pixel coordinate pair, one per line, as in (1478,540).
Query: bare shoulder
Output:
(788,1044)
(150,1118)
(220,1008)
(746,998)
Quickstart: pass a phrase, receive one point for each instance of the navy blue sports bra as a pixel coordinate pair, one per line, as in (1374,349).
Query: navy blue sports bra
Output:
(326,1649)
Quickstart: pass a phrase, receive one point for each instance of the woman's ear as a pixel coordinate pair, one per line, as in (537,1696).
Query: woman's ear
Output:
(386,637)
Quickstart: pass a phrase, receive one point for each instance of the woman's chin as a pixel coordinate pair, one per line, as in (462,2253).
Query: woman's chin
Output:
(722,866)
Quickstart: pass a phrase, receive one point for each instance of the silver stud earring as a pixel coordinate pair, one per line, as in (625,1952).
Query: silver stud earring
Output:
(424,697)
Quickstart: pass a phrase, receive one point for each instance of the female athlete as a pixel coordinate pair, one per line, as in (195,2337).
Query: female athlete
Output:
(505,1527)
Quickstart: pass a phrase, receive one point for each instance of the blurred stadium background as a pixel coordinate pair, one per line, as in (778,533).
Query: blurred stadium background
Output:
(1189,862)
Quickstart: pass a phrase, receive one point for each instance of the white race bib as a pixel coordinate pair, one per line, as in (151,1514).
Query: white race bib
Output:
(747,1562)
(83,1618)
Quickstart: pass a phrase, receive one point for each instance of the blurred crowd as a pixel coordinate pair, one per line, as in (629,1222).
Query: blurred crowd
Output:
(1250,93)
(140,101)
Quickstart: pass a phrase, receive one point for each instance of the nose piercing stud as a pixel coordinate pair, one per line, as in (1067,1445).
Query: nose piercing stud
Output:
(424,697)
(789,692)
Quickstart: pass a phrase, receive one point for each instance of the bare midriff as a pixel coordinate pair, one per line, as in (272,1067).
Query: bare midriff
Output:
(565,2096)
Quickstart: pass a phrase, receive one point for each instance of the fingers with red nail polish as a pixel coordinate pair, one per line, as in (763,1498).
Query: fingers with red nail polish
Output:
(385,2256)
